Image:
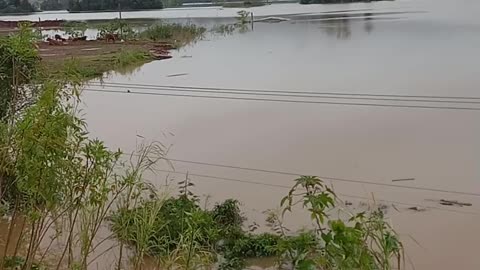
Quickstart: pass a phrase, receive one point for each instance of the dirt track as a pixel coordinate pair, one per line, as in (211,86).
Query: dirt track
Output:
(90,48)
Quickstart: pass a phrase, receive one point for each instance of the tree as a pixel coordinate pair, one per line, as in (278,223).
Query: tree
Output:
(16,6)
(54,5)
(19,59)
(87,5)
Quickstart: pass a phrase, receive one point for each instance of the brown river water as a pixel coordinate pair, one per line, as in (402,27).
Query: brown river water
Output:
(422,47)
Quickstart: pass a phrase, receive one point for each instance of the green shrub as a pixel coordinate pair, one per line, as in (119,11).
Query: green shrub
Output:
(363,242)
(183,33)
(129,57)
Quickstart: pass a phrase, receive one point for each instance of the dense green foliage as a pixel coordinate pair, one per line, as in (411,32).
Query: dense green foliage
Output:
(54,4)
(165,229)
(98,5)
(361,242)
(53,175)
(179,32)
(19,61)
(16,6)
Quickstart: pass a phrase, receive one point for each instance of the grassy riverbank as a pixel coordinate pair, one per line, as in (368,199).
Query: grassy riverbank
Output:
(93,58)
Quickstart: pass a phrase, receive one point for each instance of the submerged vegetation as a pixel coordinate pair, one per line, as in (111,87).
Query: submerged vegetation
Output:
(66,191)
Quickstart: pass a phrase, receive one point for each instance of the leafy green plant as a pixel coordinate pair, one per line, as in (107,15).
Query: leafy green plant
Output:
(243,17)
(174,230)
(228,216)
(62,182)
(362,242)
(19,64)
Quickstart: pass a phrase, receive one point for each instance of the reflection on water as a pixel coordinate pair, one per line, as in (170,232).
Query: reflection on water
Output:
(339,29)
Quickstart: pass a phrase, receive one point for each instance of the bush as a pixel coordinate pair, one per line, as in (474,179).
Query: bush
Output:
(363,242)
(173,32)
(20,60)
(163,224)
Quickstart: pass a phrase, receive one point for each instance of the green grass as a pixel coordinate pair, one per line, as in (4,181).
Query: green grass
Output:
(126,58)
(178,34)
(90,67)
(131,55)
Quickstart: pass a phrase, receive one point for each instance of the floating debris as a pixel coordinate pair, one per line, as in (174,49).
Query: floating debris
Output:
(454,203)
(405,179)
(417,209)
(161,51)
(253,227)
(272,20)
(177,75)
(159,54)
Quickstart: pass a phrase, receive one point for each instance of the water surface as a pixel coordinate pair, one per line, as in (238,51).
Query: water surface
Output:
(403,47)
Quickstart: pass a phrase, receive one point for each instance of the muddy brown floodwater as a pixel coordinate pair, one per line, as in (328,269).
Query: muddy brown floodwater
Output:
(403,47)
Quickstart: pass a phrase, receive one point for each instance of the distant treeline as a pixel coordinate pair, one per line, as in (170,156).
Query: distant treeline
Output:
(335,1)
(94,5)
(16,6)
(54,4)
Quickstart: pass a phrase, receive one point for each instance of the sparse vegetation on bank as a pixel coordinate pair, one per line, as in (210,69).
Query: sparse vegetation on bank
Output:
(93,58)
(177,34)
